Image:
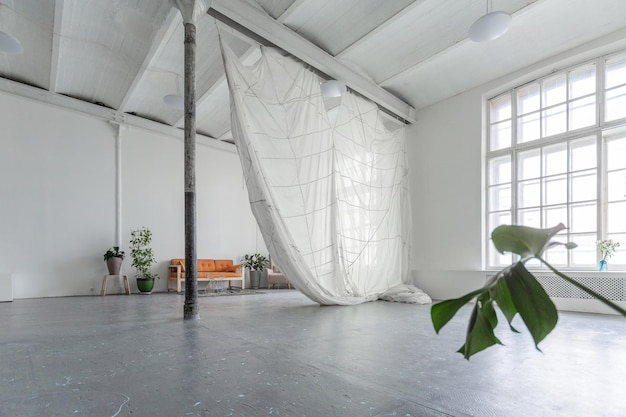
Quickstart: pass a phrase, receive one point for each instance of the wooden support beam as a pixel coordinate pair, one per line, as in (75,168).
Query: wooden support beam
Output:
(262,28)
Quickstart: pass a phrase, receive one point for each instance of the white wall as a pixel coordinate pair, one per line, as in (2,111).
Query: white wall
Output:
(57,210)
(446,167)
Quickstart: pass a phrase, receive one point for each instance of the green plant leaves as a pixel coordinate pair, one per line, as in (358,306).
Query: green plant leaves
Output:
(531,301)
(442,312)
(514,290)
(527,242)
(480,333)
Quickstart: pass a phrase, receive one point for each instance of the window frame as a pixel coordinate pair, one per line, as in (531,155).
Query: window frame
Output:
(601,131)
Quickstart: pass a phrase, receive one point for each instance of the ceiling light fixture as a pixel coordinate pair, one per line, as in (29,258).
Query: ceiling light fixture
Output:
(175,101)
(490,26)
(10,44)
(333,88)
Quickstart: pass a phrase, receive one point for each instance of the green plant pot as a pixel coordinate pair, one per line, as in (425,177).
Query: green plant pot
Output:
(145,285)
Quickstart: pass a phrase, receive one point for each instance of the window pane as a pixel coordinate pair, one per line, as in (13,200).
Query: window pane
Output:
(583,218)
(529,164)
(529,193)
(500,108)
(554,120)
(616,153)
(554,90)
(615,104)
(500,198)
(500,137)
(530,218)
(495,257)
(616,220)
(582,81)
(528,99)
(583,154)
(528,128)
(555,159)
(616,186)
(584,186)
(554,215)
(582,113)
(556,256)
(555,190)
(615,71)
(585,253)
(500,170)
(498,259)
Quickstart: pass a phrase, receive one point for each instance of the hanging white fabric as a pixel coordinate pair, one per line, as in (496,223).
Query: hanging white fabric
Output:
(331,199)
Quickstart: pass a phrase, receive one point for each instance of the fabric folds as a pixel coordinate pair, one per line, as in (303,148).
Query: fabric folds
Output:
(328,189)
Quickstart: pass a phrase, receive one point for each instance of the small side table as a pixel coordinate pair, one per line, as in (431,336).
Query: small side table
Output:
(103,292)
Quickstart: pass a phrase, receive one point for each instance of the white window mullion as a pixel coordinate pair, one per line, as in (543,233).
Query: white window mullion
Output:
(600,91)
(514,157)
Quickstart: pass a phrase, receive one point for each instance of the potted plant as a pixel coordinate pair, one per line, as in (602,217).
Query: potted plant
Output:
(607,248)
(114,257)
(256,264)
(143,258)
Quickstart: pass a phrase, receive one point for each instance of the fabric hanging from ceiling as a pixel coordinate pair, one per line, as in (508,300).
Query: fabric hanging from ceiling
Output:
(328,189)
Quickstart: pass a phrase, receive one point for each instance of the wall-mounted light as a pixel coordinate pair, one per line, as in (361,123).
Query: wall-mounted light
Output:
(490,26)
(333,88)
(10,44)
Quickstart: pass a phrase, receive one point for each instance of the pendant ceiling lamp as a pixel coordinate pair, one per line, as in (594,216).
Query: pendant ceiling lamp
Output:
(9,44)
(175,101)
(490,26)
(333,88)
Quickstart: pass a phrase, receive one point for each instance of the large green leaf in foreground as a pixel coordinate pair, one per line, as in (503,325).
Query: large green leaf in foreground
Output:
(514,290)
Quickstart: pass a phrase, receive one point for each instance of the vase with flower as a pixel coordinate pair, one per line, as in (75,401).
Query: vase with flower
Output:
(607,248)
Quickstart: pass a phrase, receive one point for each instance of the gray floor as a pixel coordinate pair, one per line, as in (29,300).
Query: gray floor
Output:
(278,354)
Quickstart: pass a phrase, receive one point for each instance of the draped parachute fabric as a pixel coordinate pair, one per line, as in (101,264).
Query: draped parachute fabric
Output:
(330,197)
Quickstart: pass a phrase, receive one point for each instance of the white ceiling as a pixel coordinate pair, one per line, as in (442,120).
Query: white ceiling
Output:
(128,54)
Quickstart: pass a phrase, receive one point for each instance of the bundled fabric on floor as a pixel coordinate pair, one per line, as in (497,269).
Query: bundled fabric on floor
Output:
(328,189)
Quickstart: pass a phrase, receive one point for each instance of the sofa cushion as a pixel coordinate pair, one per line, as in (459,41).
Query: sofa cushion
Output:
(233,268)
(206,265)
(222,265)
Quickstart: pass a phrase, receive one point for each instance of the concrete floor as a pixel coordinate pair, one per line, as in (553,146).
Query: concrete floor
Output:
(279,354)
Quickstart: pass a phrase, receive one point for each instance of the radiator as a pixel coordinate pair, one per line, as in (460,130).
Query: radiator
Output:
(610,286)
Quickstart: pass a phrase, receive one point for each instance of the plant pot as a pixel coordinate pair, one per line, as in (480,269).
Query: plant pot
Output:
(114,265)
(255,278)
(145,285)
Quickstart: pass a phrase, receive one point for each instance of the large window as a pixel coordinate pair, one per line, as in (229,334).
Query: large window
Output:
(556,153)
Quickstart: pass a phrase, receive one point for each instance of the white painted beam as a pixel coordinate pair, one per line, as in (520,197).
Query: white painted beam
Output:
(247,18)
(43,96)
(56,44)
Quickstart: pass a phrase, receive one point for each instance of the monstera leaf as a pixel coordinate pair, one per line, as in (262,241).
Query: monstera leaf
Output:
(514,290)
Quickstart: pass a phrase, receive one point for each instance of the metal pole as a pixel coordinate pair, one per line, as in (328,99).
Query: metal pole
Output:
(190,308)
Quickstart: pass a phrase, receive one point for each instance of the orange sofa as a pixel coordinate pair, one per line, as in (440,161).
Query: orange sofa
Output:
(208,270)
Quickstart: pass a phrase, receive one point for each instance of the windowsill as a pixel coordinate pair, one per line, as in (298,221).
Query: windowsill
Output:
(566,271)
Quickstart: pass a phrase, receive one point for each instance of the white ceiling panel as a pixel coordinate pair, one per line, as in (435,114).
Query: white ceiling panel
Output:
(534,36)
(335,25)
(103,44)
(128,54)
(422,31)
(31,23)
